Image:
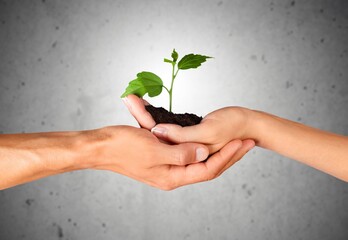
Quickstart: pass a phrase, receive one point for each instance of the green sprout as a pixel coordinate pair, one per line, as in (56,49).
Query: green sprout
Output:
(150,83)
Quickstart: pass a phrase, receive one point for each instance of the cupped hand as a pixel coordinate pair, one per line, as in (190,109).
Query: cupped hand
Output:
(215,130)
(138,154)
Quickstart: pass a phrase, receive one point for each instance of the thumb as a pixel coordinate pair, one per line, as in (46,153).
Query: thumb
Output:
(136,107)
(177,134)
(184,154)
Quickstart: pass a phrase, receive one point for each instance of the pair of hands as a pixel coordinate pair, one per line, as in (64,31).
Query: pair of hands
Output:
(171,156)
(167,158)
(153,160)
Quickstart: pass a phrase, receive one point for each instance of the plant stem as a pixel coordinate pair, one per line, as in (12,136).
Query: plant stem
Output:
(166,89)
(171,87)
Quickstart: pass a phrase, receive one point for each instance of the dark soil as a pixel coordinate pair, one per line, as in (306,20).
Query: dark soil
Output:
(161,115)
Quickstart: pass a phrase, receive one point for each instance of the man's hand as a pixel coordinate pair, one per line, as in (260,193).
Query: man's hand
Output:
(130,151)
(138,154)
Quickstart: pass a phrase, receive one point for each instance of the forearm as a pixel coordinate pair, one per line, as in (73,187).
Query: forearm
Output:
(27,157)
(322,150)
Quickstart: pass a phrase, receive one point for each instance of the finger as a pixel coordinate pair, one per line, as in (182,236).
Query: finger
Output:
(247,145)
(136,107)
(204,171)
(183,154)
(177,134)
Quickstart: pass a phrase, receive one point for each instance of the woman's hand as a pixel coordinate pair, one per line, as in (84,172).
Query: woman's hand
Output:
(319,149)
(215,131)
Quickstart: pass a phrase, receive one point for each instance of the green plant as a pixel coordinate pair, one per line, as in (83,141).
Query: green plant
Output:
(150,83)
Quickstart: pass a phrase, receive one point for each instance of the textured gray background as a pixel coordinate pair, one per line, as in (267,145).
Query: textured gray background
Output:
(64,65)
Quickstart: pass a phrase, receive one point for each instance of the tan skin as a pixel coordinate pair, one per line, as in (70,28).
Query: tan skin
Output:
(126,150)
(325,151)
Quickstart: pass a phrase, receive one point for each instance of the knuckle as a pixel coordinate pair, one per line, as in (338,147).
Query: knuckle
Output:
(180,158)
(210,176)
(167,186)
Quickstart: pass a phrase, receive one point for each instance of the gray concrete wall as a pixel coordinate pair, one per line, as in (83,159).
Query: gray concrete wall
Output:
(64,65)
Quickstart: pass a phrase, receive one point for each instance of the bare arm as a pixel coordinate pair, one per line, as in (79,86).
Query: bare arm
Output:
(130,151)
(27,157)
(319,149)
(322,150)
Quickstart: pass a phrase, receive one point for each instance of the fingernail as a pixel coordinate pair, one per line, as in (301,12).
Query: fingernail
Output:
(126,102)
(159,131)
(201,154)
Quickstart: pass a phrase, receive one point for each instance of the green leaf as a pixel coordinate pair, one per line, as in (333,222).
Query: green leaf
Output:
(168,61)
(146,82)
(175,55)
(192,61)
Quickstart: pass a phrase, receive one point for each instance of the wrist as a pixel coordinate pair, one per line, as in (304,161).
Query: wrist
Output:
(86,147)
(261,122)
(94,146)
(246,123)
(61,151)
(258,125)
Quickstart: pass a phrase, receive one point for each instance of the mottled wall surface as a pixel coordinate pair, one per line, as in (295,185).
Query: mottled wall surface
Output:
(64,65)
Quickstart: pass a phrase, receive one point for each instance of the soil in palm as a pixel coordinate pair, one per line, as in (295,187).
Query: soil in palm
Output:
(161,115)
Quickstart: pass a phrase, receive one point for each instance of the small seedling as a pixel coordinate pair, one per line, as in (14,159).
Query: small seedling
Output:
(150,83)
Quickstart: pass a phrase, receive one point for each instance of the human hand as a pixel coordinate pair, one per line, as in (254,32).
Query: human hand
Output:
(138,154)
(319,149)
(215,131)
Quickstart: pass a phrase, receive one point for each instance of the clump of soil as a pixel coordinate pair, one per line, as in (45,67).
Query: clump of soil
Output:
(161,115)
